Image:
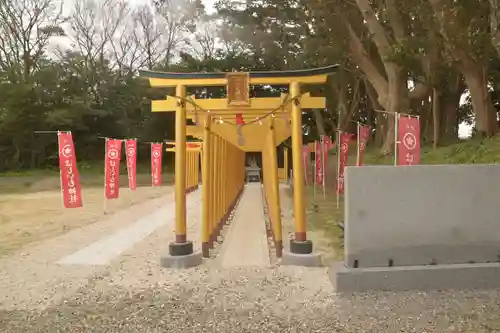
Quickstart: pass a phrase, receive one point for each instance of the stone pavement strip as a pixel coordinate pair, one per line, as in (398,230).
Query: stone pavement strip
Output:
(246,240)
(105,250)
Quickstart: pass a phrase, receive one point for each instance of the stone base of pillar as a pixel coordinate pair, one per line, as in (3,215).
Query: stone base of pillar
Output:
(301,247)
(305,260)
(301,254)
(181,255)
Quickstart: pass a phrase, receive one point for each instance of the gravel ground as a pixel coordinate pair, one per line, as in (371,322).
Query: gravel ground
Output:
(134,294)
(274,299)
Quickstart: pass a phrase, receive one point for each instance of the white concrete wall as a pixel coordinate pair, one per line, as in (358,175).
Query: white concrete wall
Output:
(419,215)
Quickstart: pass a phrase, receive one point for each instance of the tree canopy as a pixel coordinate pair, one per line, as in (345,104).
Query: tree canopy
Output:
(78,71)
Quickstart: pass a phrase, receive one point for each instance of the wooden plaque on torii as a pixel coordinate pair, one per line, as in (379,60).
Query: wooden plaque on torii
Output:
(238,89)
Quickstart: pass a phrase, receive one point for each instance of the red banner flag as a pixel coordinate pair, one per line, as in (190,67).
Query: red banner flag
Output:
(345,139)
(156,157)
(318,155)
(131,150)
(71,190)
(305,161)
(112,167)
(363,136)
(329,144)
(409,141)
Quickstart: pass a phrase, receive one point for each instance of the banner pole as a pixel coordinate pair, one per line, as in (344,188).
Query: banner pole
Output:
(60,169)
(153,170)
(323,168)
(105,204)
(315,205)
(338,168)
(158,171)
(129,168)
(396,130)
(358,145)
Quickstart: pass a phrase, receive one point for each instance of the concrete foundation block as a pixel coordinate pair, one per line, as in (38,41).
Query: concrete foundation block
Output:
(421,215)
(180,262)
(403,278)
(306,260)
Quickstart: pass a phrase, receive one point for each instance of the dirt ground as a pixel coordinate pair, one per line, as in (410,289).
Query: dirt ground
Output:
(31,208)
(322,219)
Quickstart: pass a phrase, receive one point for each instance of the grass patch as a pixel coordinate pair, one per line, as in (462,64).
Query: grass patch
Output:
(323,217)
(471,151)
(91,175)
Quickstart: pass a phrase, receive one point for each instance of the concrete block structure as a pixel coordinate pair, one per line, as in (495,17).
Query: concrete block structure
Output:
(435,222)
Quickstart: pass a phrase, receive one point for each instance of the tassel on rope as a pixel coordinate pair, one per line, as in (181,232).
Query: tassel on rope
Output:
(283,109)
(287,122)
(195,120)
(241,140)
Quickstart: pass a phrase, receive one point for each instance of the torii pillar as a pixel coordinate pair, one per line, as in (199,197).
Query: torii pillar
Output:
(301,249)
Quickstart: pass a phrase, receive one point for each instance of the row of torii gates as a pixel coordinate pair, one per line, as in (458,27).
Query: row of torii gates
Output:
(228,128)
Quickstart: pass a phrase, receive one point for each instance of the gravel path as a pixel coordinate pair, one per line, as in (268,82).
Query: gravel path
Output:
(134,294)
(255,300)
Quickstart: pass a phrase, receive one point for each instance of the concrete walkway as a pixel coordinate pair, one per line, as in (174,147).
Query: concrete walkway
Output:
(107,249)
(246,240)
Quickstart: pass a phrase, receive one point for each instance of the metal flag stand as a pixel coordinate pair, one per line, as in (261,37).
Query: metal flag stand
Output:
(358,145)
(323,154)
(105,201)
(396,123)
(314,203)
(338,168)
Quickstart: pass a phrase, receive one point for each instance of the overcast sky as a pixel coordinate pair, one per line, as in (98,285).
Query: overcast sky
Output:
(209,4)
(63,42)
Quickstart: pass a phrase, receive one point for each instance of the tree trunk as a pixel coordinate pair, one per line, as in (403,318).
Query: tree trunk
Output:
(436,115)
(341,107)
(397,101)
(450,102)
(424,109)
(16,159)
(353,107)
(380,118)
(475,72)
(450,110)
(485,115)
(380,129)
(34,151)
(495,24)
(320,123)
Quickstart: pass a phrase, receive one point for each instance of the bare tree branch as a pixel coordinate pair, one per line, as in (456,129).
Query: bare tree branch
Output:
(25,29)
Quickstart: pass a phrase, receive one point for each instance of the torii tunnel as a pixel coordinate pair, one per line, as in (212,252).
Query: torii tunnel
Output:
(225,130)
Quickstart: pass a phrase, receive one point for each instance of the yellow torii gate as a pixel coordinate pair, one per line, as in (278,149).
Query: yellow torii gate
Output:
(263,123)
(193,151)
(256,111)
